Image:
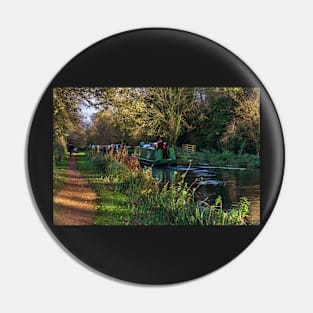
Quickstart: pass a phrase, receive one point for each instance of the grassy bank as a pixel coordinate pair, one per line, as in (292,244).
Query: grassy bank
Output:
(59,166)
(112,206)
(218,159)
(131,196)
(59,176)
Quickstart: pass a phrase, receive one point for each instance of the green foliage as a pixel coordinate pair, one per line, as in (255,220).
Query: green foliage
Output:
(225,158)
(242,132)
(224,123)
(136,198)
(216,118)
(145,113)
(59,176)
(176,205)
(103,129)
(59,150)
(239,211)
(229,120)
(221,113)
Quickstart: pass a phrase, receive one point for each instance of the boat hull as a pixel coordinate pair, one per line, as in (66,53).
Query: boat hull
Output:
(154,157)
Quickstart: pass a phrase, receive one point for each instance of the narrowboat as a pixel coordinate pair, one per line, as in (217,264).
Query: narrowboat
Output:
(148,154)
(130,149)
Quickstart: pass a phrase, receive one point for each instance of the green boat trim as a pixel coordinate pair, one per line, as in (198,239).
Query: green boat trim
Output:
(130,150)
(154,157)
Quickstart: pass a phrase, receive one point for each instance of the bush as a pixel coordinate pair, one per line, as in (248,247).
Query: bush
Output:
(225,158)
(59,151)
(156,204)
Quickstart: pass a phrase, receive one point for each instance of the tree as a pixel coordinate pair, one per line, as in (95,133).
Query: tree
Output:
(221,113)
(103,129)
(65,118)
(166,112)
(243,132)
(174,111)
(77,136)
(230,118)
(218,118)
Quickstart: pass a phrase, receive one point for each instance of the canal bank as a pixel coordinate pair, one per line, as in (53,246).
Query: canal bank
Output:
(228,182)
(144,200)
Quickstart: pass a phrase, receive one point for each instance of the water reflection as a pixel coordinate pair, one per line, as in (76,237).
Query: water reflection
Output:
(231,184)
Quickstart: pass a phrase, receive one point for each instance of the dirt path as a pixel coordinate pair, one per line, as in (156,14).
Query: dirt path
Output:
(74,204)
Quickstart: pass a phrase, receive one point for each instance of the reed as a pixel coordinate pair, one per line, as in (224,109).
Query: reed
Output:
(225,158)
(148,202)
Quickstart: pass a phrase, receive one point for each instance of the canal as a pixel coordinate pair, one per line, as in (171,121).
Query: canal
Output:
(230,183)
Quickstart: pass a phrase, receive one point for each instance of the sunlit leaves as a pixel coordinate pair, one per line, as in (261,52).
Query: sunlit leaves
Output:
(218,118)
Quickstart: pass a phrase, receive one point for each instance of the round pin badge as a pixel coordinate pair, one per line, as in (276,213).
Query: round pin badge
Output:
(155,156)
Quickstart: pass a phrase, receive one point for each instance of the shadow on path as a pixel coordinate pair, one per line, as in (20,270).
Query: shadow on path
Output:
(74,204)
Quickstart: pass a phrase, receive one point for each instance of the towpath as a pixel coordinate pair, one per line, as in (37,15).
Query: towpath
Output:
(74,204)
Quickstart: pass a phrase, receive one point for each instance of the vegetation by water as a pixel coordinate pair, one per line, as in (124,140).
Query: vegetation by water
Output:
(59,173)
(223,123)
(215,119)
(130,196)
(226,158)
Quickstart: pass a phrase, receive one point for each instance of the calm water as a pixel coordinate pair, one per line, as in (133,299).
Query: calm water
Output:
(231,184)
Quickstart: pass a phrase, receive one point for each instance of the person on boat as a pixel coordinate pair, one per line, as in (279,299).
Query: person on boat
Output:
(165,151)
(160,144)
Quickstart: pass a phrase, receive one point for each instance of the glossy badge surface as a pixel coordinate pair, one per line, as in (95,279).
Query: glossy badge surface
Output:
(156,156)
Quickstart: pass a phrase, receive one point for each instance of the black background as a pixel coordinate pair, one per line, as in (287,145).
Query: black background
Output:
(160,254)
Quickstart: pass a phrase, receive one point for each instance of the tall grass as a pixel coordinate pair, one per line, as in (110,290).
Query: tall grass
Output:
(225,158)
(154,203)
(176,205)
(59,175)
